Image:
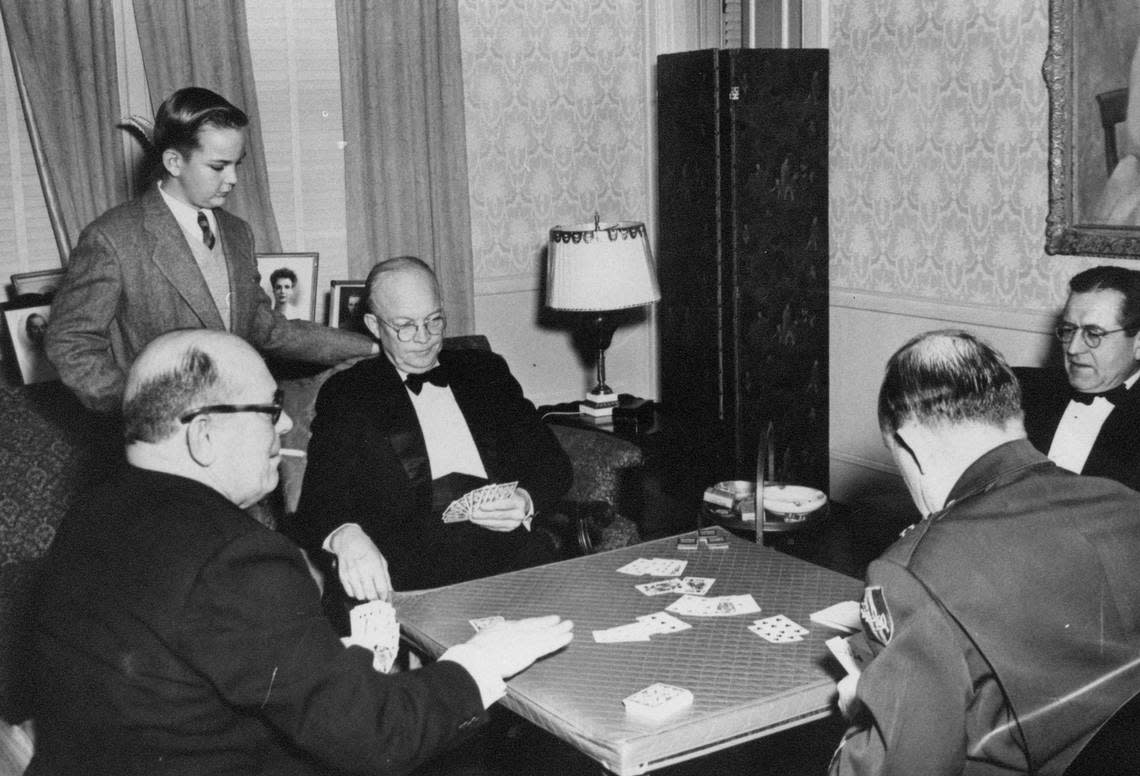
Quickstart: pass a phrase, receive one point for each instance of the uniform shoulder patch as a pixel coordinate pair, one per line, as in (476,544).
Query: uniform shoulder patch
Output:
(876,615)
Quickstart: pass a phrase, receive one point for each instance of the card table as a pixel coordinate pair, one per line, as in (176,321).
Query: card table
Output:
(743,686)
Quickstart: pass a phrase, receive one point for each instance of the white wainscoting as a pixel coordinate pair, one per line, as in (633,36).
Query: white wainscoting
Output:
(866,328)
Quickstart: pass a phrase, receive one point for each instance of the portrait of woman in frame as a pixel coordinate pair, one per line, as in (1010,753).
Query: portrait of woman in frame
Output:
(1094,149)
(290,280)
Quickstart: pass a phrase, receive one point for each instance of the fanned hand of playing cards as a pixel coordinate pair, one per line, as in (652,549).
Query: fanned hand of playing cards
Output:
(463,507)
(374,627)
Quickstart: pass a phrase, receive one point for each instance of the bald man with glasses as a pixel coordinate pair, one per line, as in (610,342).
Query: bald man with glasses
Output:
(398,437)
(1086,418)
(174,635)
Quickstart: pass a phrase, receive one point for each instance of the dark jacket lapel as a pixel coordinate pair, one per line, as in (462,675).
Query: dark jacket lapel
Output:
(397,421)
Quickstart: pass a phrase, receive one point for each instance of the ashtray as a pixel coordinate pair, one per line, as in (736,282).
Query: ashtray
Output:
(792,503)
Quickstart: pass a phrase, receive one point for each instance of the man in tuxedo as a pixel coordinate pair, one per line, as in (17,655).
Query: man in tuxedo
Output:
(176,635)
(174,259)
(1086,419)
(1000,632)
(396,438)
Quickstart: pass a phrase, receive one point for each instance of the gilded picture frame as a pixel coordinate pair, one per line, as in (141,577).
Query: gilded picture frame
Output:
(1094,167)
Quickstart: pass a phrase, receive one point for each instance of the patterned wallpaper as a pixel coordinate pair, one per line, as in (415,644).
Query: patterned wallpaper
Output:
(555,107)
(939,177)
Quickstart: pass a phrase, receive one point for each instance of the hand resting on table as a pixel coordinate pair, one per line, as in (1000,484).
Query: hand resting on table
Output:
(511,646)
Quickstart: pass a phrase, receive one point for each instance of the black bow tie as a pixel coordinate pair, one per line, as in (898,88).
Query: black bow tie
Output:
(1114,396)
(435,376)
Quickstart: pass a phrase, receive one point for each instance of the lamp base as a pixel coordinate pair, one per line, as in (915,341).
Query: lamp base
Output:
(598,405)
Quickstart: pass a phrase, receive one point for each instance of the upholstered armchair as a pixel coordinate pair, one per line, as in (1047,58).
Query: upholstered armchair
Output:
(597,514)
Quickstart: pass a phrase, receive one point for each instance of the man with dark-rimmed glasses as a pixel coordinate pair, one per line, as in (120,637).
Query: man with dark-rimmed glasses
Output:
(176,635)
(398,437)
(1087,423)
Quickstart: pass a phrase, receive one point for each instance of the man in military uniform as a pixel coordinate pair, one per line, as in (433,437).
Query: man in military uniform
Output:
(1000,632)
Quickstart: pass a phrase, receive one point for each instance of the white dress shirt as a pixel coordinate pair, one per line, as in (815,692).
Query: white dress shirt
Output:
(1079,427)
(450,446)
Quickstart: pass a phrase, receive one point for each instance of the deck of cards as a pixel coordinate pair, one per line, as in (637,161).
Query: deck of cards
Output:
(374,627)
(778,629)
(462,508)
(657,701)
(714,606)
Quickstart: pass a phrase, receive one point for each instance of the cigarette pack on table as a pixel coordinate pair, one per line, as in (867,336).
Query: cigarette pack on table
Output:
(726,494)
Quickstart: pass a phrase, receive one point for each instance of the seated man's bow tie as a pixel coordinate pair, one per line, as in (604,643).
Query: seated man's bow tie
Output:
(1114,395)
(435,376)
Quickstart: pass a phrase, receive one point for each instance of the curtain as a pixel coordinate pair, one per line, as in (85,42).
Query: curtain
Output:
(204,43)
(406,153)
(77,148)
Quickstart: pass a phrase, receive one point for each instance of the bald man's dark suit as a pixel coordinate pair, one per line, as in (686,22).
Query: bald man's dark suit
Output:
(1045,394)
(177,636)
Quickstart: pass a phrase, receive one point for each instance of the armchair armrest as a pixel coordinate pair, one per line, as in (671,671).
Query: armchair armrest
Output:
(606,497)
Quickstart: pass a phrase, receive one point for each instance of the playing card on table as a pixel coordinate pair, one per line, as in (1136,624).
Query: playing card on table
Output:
(714,606)
(696,585)
(667,567)
(633,631)
(660,587)
(635,568)
(658,701)
(482,623)
(663,622)
(778,629)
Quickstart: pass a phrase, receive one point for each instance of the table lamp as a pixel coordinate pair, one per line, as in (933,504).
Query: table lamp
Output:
(597,269)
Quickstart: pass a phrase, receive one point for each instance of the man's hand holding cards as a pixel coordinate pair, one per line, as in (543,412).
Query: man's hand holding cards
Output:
(500,506)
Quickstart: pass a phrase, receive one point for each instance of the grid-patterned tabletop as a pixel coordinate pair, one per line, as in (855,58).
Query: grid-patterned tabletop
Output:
(743,686)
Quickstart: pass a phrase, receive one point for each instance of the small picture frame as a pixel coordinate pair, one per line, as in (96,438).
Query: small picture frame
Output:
(43,282)
(25,324)
(290,280)
(345,311)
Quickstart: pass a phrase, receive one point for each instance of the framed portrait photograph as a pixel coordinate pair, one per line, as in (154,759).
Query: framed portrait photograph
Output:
(44,282)
(1092,71)
(25,324)
(290,280)
(345,311)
